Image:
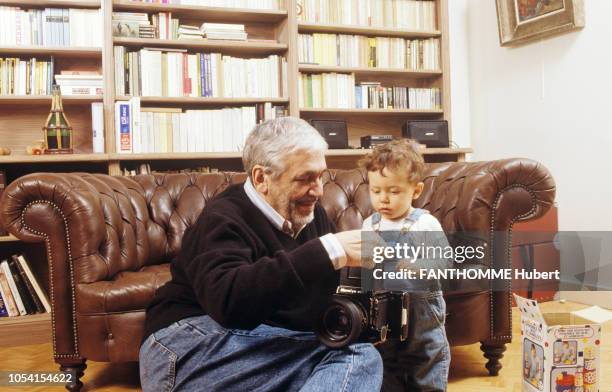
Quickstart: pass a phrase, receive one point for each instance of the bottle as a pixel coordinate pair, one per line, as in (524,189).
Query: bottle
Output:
(58,132)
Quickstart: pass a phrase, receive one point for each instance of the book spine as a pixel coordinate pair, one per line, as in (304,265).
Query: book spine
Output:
(9,300)
(39,292)
(122,124)
(3,309)
(97,127)
(202,75)
(2,186)
(28,301)
(31,293)
(11,283)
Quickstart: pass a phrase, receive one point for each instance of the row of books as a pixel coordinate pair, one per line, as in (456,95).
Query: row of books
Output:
(160,72)
(360,51)
(50,27)
(145,168)
(164,26)
(20,292)
(26,77)
(332,90)
(257,4)
(376,96)
(161,130)
(403,14)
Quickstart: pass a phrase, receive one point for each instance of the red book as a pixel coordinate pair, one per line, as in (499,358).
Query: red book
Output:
(186,78)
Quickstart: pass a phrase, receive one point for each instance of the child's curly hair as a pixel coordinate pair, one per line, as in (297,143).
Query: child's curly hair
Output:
(399,154)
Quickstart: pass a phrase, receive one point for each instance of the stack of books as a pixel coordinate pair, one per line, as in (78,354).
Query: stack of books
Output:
(80,83)
(224,31)
(20,292)
(132,24)
(189,32)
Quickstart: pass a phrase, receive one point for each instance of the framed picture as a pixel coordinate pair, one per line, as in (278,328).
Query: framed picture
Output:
(522,21)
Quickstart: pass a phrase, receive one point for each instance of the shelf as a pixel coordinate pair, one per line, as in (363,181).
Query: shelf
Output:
(304,27)
(427,151)
(210,13)
(24,330)
(203,100)
(49,158)
(175,156)
(238,154)
(51,3)
(390,112)
(312,68)
(225,46)
(62,51)
(9,238)
(46,99)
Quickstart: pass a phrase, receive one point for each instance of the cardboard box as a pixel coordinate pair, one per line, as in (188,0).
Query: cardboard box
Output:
(560,350)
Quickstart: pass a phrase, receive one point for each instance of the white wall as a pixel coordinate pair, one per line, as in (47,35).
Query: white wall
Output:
(550,101)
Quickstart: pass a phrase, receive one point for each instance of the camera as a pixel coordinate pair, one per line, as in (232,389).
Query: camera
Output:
(357,315)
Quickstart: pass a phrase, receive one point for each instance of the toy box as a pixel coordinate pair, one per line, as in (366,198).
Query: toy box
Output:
(560,350)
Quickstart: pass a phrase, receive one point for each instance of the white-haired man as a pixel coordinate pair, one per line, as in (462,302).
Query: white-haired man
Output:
(251,281)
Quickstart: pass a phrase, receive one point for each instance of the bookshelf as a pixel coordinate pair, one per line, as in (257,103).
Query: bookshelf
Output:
(270,32)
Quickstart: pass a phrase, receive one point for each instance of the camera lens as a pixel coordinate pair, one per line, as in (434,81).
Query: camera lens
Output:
(342,323)
(337,322)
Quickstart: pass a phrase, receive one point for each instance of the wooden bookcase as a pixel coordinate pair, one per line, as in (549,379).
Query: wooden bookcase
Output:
(22,117)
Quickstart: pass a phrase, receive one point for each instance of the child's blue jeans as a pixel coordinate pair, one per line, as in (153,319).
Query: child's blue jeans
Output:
(421,362)
(197,354)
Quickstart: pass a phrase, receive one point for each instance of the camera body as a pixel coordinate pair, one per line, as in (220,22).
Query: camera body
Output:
(355,315)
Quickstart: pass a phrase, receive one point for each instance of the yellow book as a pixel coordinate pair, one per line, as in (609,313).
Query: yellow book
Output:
(318,55)
(164,74)
(372,52)
(169,132)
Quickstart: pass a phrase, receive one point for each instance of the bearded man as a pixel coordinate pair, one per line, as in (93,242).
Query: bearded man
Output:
(251,280)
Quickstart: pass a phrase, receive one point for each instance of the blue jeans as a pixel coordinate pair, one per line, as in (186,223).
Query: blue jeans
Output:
(421,362)
(197,354)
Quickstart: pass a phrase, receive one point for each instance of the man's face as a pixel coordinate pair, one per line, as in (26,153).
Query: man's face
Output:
(391,194)
(294,193)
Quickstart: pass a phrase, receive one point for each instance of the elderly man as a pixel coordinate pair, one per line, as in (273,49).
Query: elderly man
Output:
(251,280)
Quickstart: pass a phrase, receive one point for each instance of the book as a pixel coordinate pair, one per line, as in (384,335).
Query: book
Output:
(32,279)
(2,186)
(7,295)
(24,294)
(3,310)
(97,127)
(27,288)
(13,288)
(122,127)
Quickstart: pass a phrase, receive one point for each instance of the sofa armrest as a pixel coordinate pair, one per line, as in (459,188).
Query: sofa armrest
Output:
(66,213)
(484,199)
(488,196)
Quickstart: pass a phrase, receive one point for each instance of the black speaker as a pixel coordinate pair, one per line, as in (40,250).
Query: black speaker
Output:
(333,131)
(430,133)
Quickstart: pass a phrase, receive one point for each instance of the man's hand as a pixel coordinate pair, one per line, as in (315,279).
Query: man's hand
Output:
(353,244)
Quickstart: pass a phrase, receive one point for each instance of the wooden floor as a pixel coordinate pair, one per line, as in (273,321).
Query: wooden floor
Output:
(467,367)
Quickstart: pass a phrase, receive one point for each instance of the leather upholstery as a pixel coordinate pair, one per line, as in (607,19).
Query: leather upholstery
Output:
(109,240)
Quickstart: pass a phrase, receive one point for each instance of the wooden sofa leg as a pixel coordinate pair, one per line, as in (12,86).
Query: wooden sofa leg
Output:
(493,352)
(76,367)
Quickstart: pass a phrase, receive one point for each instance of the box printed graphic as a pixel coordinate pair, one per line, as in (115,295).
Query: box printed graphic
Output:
(560,350)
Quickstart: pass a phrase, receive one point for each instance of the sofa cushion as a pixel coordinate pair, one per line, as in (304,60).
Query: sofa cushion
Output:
(128,291)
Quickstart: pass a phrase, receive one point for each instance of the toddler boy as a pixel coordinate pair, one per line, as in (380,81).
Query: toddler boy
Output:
(420,362)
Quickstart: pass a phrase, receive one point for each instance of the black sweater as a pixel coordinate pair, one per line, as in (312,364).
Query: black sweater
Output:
(237,268)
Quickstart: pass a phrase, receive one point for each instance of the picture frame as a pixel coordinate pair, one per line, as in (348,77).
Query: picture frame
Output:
(522,21)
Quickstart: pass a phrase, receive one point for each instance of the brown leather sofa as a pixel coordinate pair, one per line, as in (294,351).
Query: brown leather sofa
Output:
(109,241)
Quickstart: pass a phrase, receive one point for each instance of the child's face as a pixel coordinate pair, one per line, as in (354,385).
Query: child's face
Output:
(391,194)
